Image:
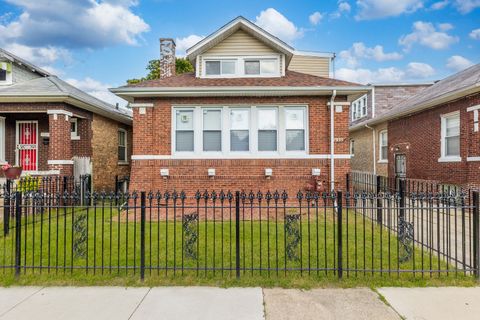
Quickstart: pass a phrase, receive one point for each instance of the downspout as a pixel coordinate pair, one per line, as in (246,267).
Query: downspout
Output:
(374,145)
(373,102)
(332,140)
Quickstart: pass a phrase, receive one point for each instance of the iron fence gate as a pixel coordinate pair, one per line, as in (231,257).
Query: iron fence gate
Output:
(238,234)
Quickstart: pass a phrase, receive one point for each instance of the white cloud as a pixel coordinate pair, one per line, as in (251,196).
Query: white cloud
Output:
(445,26)
(458,63)
(377,9)
(414,71)
(97,89)
(73,24)
(359,51)
(182,44)
(419,70)
(278,25)
(344,6)
(466,6)
(315,18)
(475,34)
(439,5)
(427,35)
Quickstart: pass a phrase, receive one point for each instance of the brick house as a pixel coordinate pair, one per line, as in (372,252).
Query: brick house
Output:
(434,135)
(48,126)
(255,114)
(369,141)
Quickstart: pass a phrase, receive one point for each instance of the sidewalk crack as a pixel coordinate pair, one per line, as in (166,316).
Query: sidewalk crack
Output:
(20,302)
(139,303)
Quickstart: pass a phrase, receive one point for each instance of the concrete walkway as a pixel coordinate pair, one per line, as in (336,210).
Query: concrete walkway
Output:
(237,303)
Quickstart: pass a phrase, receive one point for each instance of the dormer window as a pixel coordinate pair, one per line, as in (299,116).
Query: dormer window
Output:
(5,73)
(242,66)
(220,67)
(260,67)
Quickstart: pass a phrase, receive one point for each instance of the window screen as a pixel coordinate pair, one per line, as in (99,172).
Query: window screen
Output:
(212,130)
(295,129)
(239,130)
(267,130)
(184,130)
(452,136)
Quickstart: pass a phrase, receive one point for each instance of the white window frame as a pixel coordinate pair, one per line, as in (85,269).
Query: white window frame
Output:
(250,119)
(222,135)
(240,66)
(357,110)
(221,75)
(74,135)
(126,146)
(253,133)
(305,128)
(2,140)
(9,78)
(381,146)
(443,133)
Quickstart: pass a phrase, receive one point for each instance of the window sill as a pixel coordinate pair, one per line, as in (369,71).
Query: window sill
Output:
(450,159)
(75,138)
(123,163)
(382,161)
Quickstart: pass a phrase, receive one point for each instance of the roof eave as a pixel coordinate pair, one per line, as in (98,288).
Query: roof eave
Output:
(422,106)
(66,98)
(235,91)
(196,49)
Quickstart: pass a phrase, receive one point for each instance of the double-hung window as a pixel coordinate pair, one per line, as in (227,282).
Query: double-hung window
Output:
(122,146)
(450,143)
(239,129)
(383,146)
(267,129)
(220,67)
(212,130)
(295,129)
(184,131)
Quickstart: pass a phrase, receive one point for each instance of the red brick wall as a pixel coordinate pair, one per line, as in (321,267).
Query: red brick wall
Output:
(418,136)
(152,136)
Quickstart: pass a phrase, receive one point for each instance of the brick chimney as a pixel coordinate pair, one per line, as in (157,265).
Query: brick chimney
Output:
(167,57)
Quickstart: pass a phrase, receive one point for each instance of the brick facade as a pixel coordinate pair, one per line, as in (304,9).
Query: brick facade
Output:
(418,137)
(105,152)
(152,136)
(59,145)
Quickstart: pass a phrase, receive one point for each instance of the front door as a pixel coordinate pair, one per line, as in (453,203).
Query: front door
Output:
(400,166)
(27,145)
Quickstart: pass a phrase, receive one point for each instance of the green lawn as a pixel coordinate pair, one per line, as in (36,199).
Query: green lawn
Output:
(111,252)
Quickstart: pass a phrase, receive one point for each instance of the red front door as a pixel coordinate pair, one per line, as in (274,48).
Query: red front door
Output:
(27,145)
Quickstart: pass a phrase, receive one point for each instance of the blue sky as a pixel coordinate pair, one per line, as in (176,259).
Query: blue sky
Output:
(96,44)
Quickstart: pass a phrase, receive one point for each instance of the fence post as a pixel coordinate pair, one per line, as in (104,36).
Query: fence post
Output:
(379,200)
(18,232)
(476,234)
(339,235)
(142,234)
(6,209)
(401,191)
(237,233)
(116,189)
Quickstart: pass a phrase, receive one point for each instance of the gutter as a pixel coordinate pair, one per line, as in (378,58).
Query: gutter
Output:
(332,140)
(374,146)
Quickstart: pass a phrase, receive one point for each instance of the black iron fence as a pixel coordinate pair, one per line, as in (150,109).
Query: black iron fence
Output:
(241,234)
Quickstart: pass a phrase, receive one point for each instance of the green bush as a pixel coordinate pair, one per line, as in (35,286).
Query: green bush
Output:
(28,184)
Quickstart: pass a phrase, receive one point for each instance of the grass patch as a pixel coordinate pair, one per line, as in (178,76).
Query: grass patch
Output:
(98,247)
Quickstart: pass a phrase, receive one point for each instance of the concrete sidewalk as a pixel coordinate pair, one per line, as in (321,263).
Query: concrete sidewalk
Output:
(236,303)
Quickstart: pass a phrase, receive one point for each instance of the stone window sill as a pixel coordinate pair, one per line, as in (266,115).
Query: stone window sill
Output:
(450,159)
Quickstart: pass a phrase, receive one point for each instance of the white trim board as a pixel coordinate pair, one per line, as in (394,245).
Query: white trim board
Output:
(59,162)
(237,157)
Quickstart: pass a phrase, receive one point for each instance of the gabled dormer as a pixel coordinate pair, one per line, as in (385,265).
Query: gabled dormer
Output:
(241,49)
(14,69)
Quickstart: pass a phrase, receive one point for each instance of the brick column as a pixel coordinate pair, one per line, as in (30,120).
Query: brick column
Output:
(60,146)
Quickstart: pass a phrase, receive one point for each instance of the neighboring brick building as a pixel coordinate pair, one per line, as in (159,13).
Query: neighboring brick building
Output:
(369,141)
(49,127)
(435,135)
(246,119)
